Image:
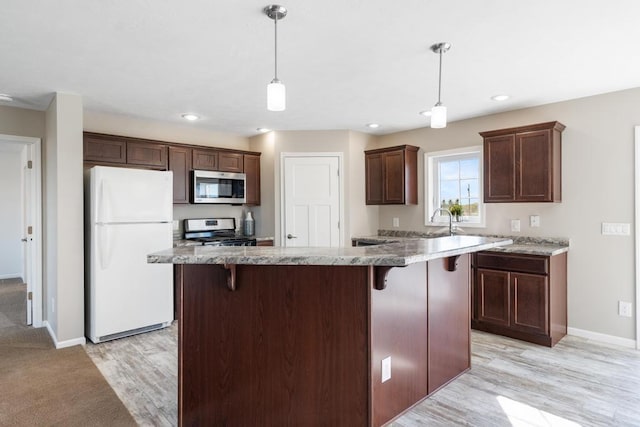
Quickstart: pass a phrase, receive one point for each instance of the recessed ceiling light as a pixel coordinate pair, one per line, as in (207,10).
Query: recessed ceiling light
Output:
(263,130)
(426,113)
(373,125)
(500,97)
(190,117)
(5,97)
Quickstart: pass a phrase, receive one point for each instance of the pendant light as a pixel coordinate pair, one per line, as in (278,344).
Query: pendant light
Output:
(439,111)
(276,92)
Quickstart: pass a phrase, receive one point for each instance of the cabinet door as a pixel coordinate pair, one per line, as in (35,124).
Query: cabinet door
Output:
(530,295)
(180,165)
(492,296)
(252,170)
(499,169)
(230,162)
(205,159)
(104,148)
(394,187)
(533,166)
(374,179)
(147,154)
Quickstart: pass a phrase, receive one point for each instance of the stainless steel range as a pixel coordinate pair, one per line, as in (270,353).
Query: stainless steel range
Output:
(215,232)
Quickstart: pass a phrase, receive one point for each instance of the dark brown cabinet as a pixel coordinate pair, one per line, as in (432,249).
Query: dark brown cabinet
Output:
(392,175)
(205,159)
(230,162)
(523,164)
(520,296)
(180,165)
(147,154)
(181,159)
(252,171)
(104,149)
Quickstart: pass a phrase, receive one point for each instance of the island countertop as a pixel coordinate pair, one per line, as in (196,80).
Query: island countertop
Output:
(391,254)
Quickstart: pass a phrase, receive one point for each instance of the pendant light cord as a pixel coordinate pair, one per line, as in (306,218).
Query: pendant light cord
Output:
(276,46)
(440,78)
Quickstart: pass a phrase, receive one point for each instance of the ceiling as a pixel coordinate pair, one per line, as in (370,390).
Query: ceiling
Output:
(344,63)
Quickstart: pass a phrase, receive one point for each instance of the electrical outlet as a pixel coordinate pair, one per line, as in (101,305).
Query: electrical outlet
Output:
(396,222)
(515,225)
(386,369)
(534,221)
(176,225)
(624,309)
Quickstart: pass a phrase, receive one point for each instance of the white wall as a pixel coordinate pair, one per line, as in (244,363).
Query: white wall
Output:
(11,248)
(598,186)
(359,219)
(64,247)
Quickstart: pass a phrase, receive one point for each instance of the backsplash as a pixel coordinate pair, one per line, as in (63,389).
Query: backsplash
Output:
(519,240)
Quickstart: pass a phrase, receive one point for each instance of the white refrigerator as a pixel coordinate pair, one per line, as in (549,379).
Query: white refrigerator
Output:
(129,215)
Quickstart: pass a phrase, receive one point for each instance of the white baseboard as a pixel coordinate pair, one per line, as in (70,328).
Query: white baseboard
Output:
(66,343)
(604,338)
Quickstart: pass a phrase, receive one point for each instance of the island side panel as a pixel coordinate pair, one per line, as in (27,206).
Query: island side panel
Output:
(449,302)
(288,347)
(399,331)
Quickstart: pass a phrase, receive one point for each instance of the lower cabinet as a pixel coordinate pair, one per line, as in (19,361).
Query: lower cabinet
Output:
(520,296)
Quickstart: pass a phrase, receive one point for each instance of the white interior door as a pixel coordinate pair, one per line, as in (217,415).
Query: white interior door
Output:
(311,201)
(27,228)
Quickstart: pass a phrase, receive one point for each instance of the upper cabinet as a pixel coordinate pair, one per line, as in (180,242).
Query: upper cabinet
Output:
(205,159)
(392,175)
(252,170)
(523,164)
(230,162)
(181,159)
(144,153)
(180,164)
(104,148)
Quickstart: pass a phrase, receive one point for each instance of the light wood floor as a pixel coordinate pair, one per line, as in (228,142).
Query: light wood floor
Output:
(511,383)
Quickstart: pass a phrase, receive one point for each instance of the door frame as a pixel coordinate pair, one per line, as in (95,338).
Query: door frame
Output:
(637,231)
(341,180)
(34,145)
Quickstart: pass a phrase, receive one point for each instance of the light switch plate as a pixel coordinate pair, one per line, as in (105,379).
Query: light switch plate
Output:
(515,225)
(616,229)
(396,222)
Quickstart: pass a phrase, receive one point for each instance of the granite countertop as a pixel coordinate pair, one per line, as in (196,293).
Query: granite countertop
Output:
(402,253)
(521,244)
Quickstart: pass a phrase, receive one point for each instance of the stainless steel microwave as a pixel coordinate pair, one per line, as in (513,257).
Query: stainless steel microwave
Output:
(218,187)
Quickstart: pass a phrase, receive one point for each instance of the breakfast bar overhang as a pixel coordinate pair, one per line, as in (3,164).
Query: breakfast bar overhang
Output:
(320,336)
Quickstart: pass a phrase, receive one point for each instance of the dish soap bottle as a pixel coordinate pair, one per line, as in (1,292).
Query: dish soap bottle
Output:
(249,229)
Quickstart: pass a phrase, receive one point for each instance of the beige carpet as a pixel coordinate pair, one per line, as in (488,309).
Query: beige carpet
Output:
(44,386)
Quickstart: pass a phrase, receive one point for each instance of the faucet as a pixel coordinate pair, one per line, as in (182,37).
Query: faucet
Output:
(450,218)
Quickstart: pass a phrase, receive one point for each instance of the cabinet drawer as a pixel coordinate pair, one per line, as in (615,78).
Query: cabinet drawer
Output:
(521,263)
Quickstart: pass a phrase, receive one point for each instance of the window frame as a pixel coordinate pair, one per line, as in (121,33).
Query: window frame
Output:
(431,179)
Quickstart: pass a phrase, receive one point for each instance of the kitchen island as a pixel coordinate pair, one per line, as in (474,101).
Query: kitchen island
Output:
(320,336)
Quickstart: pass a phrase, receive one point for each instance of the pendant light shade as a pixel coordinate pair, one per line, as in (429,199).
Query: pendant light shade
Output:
(439,111)
(438,116)
(276,91)
(276,96)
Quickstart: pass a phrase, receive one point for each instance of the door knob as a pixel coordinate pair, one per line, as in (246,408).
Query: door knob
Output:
(23,240)
(290,236)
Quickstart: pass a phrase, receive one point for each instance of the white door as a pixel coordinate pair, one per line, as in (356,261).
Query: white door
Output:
(27,229)
(311,201)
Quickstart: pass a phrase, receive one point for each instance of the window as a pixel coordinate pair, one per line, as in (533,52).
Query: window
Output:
(454,183)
